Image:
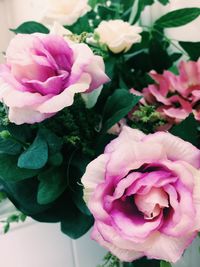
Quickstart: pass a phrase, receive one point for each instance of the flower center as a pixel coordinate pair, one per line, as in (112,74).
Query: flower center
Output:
(152,203)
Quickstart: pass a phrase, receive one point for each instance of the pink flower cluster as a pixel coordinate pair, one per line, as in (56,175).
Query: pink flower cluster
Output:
(144,193)
(43,73)
(175,96)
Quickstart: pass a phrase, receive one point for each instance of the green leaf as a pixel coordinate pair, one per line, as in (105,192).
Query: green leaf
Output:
(93,3)
(31,27)
(178,17)
(164,2)
(159,57)
(144,262)
(118,105)
(9,146)
(54,142)
(56,159)
(6,228)
(9,170)
(77,224)
(36,156)
(77,197)
(187,130)
(165,264)
(106,13)
(3,196)
(192,48)
(127,3)
(52,184)
(82,25)
(13,218)
(76,171)
(23,194)
(110,65)
(21,133)
(22,217)
(141,6)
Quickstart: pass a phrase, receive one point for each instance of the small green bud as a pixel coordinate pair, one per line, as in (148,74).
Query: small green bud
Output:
(5,134)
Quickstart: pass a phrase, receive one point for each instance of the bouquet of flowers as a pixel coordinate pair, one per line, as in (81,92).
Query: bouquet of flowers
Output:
(99,127)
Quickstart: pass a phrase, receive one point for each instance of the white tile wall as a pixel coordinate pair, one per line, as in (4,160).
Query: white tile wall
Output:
(33,244)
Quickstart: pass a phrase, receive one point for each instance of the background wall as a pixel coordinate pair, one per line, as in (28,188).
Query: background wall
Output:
(35,244)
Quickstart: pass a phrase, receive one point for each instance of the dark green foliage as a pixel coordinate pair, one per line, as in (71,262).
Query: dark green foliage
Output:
(188,130)
(117,107)
(164,2)
(82,25)
(165,264)
(192,49)
(141,5)
(53,183)
(41,165)
(77,224)
(178,18)
(14,218)
(36,156)
(9,146)
(30,27)
(110,261)
(146,118)
(144,262)
(9,170)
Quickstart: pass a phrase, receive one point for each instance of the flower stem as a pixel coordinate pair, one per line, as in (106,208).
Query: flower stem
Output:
(133,11)
(168,40)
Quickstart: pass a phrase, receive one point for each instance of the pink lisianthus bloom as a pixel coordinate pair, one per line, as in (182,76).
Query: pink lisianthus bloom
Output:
(144,194)
(43,73)
(175,96)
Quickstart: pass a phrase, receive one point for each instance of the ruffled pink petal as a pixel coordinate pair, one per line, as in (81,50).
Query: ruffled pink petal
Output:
(53,85)
(152,202)
(196,194)
(149,180)
(177,113)
(94,175)
(169,248)
(66,98)
(18,99)
(176,148)
(130,223)
(19,57)
(120,188)
(162,80)
(96,69)
(189,72)
(128,154)
(196,114)
(59,49)
(96,202)
(109,233)
(27,115)
(181,220)
(8,78)
(84,61)
(122,254)
(195,95)
(185,104)
(153,90)
(132,155)
(20,49)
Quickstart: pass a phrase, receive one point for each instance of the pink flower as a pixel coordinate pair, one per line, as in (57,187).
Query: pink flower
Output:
(176,96)
(144,193)
(43,73)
